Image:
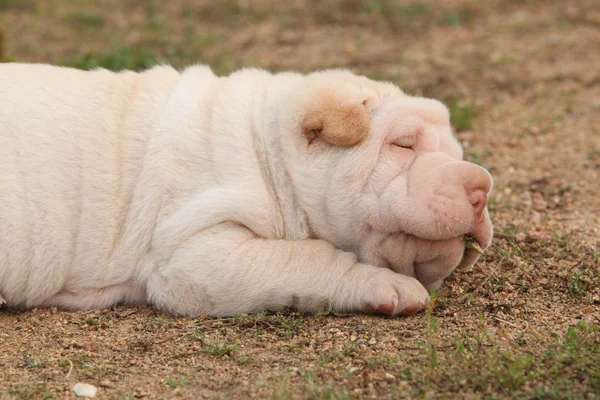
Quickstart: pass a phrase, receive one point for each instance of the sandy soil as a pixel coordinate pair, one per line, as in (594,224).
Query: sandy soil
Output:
(522,79)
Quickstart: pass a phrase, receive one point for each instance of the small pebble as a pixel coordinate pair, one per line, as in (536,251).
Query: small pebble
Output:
(389,377)
(85,390)
(107,384)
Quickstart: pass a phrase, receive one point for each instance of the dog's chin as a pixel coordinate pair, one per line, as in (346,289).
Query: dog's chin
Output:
(435,285)
(482,234)
(469,259)
(434,226)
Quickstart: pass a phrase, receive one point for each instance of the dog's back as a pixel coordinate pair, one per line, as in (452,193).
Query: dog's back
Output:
(68,170)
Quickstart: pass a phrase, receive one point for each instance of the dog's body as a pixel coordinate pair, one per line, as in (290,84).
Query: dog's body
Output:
(199,194)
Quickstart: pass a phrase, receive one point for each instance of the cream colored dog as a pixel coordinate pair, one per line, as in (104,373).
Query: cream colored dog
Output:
(203,194)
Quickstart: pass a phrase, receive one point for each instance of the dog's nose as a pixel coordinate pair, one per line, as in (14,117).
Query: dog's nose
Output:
(478,198)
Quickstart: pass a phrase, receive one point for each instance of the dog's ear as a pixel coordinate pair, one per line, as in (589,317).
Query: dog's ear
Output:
(343,124)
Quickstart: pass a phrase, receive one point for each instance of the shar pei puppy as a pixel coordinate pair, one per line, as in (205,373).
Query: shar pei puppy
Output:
(199,194)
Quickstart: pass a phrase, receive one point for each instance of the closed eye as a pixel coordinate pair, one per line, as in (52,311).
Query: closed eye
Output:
(403,146)
(404,142)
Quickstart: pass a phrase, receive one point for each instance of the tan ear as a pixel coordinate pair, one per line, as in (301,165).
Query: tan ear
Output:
(344,125)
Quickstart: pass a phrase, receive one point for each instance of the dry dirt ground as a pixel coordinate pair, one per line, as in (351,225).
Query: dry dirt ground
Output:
(522,79)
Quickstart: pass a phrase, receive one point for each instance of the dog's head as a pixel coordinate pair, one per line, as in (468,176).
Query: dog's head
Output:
(379,173)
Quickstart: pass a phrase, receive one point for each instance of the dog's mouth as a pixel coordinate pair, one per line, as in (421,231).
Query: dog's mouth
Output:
(475,244)
(471,242)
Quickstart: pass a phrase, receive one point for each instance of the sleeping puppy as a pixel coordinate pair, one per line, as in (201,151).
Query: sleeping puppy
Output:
(200,194)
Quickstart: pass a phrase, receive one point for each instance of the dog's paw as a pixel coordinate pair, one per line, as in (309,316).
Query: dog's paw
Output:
(394,294)
(381,290)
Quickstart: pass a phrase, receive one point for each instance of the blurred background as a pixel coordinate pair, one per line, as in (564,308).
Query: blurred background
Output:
(514,73)
(522,81)
(422,45)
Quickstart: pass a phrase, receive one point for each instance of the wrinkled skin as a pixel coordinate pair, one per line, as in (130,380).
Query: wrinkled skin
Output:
(199,194)
(407,197)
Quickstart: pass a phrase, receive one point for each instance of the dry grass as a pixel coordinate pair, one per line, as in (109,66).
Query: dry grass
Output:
(522,81)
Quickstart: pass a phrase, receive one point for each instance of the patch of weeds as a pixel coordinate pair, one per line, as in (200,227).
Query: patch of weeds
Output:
(566,369)
(84,365)
(282,387)
(256,325)
(459,16)
(406,392)
(91,322)
(287,19)
(517,370)
(239,320)
(30,390)
(327,358)
(198,335)
(594,158)
(498,202)
(462,113)
(219,349)
(163,321)
(224,64)
(29,362)
(83,362)
(119,59)
(577,284)
(384,13)
(330,392)
(293,348)
(213,349)
(399,16)
(312,379)
(155,22)
(3,57)
(230,12)
(84,20)
(292,324)
(256,332)
(311,386)
(175,383)
(244,360)
(328,12)
(103,370)
(4,4)
(432,328)
(587,278)
(563,241)
(520,340)
(595,254)
(479,158)
(406,17)
(324,312)
(350,349)
(386,361)
(206,39)
(18,4)
(34,364)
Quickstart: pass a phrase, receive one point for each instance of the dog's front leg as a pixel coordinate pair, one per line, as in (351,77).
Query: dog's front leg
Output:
(228,270)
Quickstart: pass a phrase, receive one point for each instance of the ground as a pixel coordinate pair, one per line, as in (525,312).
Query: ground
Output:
(522,81)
